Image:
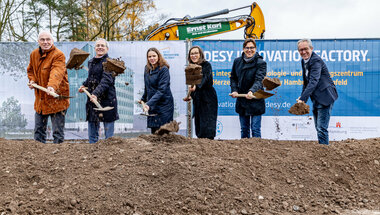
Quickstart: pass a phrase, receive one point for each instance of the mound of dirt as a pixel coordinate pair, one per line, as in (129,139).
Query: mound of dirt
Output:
(261,94)
(193,74)
(172,126)
(77,57)
(271,83)
(172,174)
(299,109)
(116,66)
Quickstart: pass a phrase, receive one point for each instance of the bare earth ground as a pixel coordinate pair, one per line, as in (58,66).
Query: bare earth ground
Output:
(177,175)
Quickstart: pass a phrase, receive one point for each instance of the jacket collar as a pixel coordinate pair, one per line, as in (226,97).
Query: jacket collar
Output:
(308,60)
(154,70)
(95,59)
(44,54)
(252,63)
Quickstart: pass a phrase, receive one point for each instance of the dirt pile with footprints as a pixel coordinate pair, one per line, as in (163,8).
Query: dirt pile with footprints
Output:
(172,174)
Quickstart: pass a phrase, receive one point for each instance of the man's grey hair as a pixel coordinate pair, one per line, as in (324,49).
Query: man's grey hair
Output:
(46,32)
(101,39)
(305,40)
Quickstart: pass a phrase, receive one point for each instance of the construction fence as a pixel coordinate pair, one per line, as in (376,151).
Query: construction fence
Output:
(354,66)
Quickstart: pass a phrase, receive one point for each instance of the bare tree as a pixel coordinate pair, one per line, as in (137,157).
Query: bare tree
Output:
(7,9)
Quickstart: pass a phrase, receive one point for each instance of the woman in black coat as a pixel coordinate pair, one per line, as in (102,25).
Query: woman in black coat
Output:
(248,72)
(157,94)
(205,100)
(101,86)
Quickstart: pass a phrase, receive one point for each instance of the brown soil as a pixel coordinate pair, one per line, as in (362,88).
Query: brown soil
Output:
(77,57)
(271,83)
(172,174)
(116,66)
(299,109)
(172,126)
(193,74)
(261,94)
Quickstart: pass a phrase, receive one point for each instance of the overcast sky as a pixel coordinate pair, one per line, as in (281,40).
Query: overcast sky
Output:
(291,19)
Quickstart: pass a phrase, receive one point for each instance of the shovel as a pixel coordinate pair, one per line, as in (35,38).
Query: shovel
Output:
(260,94)
(55,95)
(145,113)
(99,107)
(188,97)
(239,95)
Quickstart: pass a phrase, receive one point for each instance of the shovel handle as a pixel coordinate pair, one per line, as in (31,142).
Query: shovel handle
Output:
(143,106)
(55,95)
(188,94)
(238,95)
(89,95)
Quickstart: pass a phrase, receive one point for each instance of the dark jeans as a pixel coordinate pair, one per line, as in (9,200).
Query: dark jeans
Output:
(93,130)
(58,124)
(248,123)
(321,115)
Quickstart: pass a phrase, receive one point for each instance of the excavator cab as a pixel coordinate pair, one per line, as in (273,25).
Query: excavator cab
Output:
(202,26)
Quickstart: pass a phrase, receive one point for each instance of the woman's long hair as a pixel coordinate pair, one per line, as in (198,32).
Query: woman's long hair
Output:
(161,60)
(201,55)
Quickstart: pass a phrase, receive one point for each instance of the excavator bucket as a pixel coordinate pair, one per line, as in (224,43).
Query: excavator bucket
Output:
(256,28)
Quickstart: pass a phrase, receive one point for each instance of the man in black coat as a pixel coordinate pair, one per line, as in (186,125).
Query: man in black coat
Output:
(248,72)
(318,85)
(101,85)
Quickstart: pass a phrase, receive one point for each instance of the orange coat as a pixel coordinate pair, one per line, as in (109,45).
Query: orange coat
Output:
(49,70)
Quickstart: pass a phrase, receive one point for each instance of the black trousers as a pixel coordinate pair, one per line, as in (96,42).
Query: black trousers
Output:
(58,124)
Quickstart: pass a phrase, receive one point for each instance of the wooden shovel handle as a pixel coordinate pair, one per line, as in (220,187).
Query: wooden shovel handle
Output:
(45,90)
(188,94)
(238,95)
(89,95)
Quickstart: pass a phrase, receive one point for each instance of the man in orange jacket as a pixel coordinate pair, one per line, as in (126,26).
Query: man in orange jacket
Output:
(47,69)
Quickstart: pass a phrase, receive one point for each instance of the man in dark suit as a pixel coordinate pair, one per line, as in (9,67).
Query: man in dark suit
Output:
(318,85)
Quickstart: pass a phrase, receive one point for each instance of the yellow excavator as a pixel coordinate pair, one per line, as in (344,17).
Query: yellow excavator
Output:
(200,26)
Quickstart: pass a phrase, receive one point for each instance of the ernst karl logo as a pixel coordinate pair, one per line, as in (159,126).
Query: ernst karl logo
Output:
(168,54)
(219,128)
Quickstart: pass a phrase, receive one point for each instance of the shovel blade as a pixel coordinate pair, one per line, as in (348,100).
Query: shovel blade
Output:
(104,109)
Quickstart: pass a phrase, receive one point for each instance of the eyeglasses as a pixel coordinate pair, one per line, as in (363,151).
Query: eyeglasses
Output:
(249,48)
(100,45)
(304,49)
(45,39)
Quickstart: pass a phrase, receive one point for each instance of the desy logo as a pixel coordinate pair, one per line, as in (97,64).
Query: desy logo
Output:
(219,128)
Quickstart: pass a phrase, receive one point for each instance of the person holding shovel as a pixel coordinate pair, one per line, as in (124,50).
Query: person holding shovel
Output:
(205,100)
(319,87)
(157,98)
(101,86)
(248,72)
(47,69)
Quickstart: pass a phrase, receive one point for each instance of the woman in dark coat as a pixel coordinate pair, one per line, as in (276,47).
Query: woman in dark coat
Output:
(157,94)
(205,101)
(101,86)
(248,72)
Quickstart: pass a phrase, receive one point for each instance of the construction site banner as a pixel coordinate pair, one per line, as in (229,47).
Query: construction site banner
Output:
(354,65)
(17,100)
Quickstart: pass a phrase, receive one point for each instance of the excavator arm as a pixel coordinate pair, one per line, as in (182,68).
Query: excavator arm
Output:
(201,26)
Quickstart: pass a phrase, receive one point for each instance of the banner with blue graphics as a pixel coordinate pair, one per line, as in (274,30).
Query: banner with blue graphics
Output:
(16,99)
(354,65)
